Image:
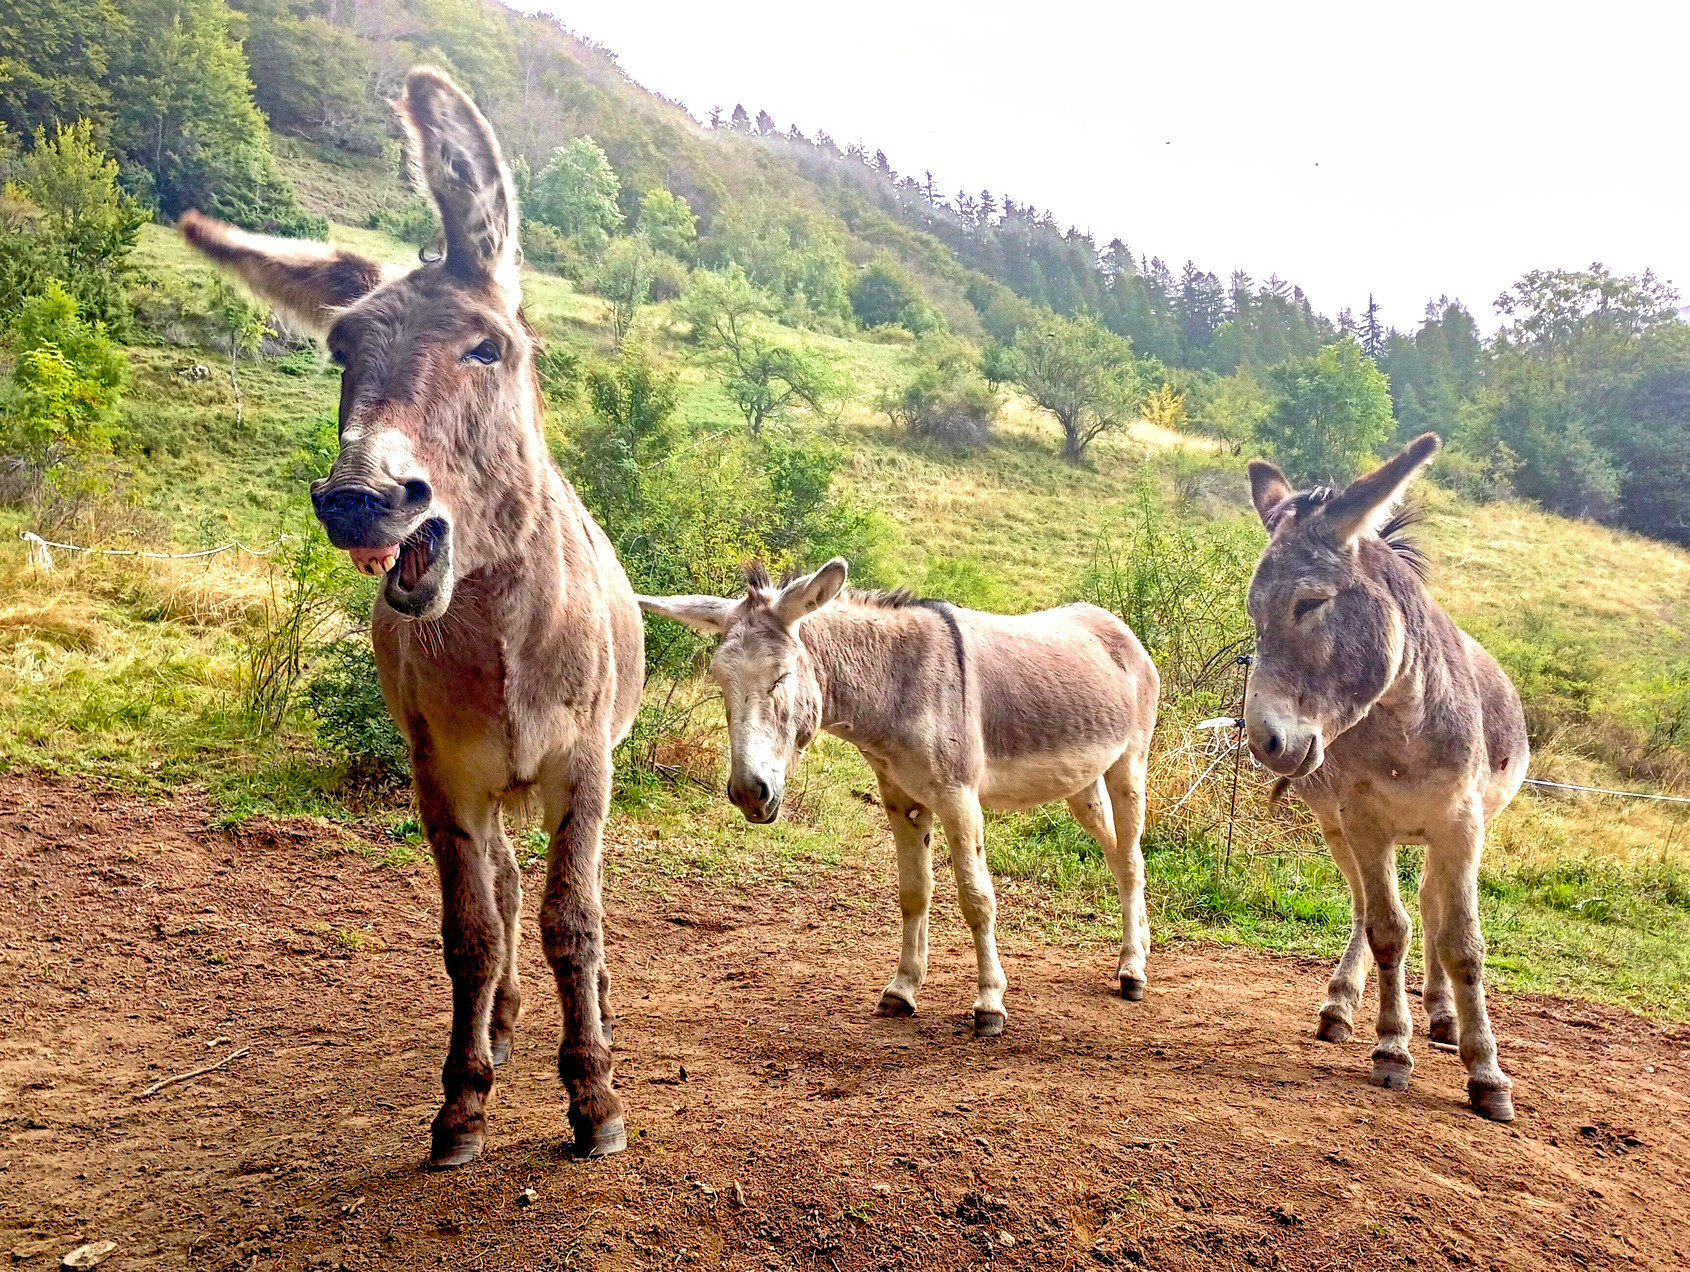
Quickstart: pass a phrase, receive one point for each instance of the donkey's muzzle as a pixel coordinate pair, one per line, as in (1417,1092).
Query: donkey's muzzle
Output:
(358,516)
(754,797)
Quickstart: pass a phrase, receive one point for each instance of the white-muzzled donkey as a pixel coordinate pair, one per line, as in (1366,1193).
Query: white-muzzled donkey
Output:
(1393,726)
(507,642)
(954,710)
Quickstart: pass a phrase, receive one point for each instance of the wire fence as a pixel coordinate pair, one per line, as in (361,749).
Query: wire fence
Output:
(41,550)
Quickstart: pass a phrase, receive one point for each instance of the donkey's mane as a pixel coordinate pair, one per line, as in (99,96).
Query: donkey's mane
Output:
(758,580)
(1394,532)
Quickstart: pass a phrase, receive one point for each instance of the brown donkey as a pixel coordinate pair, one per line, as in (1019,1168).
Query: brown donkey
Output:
(506,636)
(954,710)
(1393,726)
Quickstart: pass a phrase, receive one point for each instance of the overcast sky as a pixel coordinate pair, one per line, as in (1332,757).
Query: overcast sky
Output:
(1407,150)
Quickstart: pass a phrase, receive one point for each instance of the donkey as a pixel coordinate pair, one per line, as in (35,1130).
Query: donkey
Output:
(1393,726)
(954,710)
(508,644)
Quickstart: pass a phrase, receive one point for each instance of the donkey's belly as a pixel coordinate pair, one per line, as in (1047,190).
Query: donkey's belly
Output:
(1027,781)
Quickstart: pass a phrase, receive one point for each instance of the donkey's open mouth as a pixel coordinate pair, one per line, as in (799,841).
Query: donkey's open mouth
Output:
(418,569)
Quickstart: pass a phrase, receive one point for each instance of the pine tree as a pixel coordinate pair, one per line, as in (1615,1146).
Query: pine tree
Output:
(1373,332)
(988,208)
(765,123)
(740,121)
(715,117)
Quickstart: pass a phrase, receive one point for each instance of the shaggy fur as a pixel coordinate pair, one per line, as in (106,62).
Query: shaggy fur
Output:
(509,647)
(1394,726)
(954,710)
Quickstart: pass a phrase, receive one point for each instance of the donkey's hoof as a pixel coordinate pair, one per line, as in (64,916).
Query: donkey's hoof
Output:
(892,1005)
(1332,1029)
(1444,1030)
(989,1024)
(1132,989)
(1391,1072)
(501,1050)
(602,1140)
(1493,1102)
(452,1149)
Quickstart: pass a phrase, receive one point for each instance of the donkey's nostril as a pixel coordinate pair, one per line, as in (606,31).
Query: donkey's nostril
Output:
(418,493)
(763,792)
(1274,745)
(347,501)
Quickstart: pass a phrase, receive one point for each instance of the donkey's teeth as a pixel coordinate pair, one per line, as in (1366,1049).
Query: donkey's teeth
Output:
(374,560)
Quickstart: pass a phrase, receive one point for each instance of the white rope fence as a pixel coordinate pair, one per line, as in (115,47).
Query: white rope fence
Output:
(41,550)
(1232,722)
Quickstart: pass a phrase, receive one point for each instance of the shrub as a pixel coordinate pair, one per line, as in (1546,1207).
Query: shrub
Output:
(576,194)
(307,601)
(1330,412)
(411,220)
(1180,586)
(667,220)
(344,698)
(945,399)
(62,400)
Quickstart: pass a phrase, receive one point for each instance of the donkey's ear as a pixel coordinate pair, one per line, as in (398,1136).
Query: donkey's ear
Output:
(806,595)
(706,614)
(455,160)
(1268,487)
(309,283)
(1368,502)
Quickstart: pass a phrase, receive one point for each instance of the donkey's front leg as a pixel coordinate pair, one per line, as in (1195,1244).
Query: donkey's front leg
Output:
(1452,874)
(1375,856)
(912,833)
(577,797)
(1349,978)
(959,809)
(1436,995)
(507,1001)
(466,844)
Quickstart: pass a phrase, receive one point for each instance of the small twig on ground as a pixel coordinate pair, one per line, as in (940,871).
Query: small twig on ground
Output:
(158,1086)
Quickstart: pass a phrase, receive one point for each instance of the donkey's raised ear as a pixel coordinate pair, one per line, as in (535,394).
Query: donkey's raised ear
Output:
(1268,487)
(706,614)
(1368,502)
(806,595)
(455,159)
(309,283)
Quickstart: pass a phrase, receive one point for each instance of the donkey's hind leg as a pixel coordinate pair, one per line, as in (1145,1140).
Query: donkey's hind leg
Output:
(1436,995)
(1452,873)
(959,809)
(912,832)
(1125,783)
(1349,978)
(507,1000)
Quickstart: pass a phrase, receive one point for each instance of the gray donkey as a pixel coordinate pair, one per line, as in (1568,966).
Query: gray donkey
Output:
(508,645)
(1393,726)
(954,710)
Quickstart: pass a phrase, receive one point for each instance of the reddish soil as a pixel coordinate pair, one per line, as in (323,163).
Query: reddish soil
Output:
(1203,1127)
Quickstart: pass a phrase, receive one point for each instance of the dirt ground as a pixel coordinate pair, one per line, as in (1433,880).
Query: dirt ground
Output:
(774,1122)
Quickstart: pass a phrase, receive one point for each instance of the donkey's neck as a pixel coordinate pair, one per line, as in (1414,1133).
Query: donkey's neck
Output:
(854,657)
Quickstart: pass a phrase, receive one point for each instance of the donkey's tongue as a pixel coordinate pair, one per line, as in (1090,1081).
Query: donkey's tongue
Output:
(374,560)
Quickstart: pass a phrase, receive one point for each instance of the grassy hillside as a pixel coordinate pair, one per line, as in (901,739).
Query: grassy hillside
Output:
(139,672)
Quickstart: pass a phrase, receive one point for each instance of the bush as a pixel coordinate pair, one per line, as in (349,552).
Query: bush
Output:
(344,698)
(945,399)
(411,220)
(62,401)
(1330,412)
(667,220)
(1180,586)
(576,194)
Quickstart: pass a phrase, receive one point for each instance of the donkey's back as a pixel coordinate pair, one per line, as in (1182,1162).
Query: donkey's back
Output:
(1058,697)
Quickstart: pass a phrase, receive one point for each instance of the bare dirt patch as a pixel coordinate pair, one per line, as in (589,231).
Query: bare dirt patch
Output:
(774,1122)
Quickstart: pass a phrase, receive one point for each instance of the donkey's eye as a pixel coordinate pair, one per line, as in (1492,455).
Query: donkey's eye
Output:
(781,680)
(1308,605)
(486,353)
(338,357)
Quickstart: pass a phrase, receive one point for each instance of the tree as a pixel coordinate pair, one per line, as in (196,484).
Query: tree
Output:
(630,429)
(240,322)
(1373,333)
(765,124)
(881,294)
(62,400)
(183,112)
(667,220)
(576,194)
(54,62)
(310,76)
(624,279)
(77,226)
(1083,374)
(1329,414)
(739,121)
